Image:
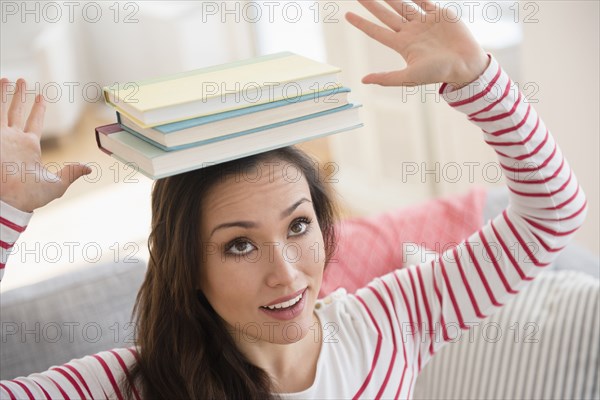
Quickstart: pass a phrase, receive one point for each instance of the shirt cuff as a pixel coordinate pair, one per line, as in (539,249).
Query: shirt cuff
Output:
(12,223)
(14,216)
(487,88)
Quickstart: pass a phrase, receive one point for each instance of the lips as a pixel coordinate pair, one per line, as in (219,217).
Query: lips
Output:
(287,310)
(281,300)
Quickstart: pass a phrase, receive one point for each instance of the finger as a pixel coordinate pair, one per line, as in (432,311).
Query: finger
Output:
(74,172)
(15,112)
(381,34)
(393,78)
(384,14)
(35,121)
(66,177)
(405,8)
(426,5)
(3,106)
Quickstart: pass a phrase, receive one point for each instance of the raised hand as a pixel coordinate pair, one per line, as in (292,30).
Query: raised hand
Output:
(436,45)
(26,185)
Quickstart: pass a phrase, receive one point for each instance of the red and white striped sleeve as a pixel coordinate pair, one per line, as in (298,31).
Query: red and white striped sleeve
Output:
(12,223)
(466,284)
(96,376)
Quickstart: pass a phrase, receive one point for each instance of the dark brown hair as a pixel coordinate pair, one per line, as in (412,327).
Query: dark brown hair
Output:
(185,348)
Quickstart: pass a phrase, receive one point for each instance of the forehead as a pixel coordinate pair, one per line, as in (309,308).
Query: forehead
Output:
(268,186)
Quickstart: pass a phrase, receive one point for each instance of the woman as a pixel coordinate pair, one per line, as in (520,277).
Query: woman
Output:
(229,308)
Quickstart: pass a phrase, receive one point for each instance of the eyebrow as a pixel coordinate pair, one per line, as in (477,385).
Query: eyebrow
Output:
(251,224)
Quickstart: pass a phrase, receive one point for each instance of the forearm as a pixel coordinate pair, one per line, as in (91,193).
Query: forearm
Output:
(544,191)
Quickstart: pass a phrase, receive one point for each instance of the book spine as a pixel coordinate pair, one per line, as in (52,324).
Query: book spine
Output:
(106,130)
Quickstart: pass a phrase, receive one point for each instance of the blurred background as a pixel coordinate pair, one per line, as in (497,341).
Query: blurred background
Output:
(413,146)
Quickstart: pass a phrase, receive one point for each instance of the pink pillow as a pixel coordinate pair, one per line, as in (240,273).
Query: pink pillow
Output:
(372,246)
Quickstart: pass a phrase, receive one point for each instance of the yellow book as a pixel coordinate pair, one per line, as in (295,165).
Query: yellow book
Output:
(220,88)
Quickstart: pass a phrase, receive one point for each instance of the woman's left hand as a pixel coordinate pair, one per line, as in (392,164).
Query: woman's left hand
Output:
(435,44)
(29,185)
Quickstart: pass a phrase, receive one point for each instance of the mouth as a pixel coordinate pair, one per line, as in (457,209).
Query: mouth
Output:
(287,301)
(287,309)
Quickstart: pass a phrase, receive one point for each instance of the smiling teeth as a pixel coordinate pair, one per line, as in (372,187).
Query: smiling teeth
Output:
(285,304)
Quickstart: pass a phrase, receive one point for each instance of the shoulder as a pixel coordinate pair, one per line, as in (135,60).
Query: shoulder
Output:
(346,312)
(355,335)
(378,309)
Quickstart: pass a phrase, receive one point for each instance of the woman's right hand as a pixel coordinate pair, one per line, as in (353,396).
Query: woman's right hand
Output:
(436,45)
(26,184)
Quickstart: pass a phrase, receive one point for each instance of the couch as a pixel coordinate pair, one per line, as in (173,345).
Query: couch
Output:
(542,344)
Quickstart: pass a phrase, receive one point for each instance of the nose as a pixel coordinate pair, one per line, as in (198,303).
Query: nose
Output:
(283,269)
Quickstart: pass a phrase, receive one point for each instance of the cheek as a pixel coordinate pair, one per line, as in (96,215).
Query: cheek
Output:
(314,248)
(228,293)
(228,279)
(312,256)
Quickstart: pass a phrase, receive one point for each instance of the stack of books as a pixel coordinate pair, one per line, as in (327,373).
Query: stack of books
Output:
(173,124)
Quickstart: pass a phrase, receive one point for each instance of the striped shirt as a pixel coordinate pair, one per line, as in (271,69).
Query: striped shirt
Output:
(377,340)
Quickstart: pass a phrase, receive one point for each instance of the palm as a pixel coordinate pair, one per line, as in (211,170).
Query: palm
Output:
(436,46)
(26,184)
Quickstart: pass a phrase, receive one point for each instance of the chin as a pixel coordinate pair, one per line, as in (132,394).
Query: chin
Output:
(295,331)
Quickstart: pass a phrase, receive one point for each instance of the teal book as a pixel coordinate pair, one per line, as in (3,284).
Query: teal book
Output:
(223,125)
(156,163)
(238,134)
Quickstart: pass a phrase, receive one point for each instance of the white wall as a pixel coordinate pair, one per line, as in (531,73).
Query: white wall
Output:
(561,56)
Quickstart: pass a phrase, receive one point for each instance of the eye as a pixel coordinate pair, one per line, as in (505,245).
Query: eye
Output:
(242,246)
(299,222)
(238,247)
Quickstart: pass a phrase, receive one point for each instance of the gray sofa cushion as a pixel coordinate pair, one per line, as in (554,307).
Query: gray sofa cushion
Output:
(547,344)
(52,322)
(543,344)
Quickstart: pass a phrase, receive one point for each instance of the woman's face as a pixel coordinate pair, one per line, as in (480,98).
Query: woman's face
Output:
(262,246)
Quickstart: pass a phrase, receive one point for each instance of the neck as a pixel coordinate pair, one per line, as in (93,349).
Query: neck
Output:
(291,366)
